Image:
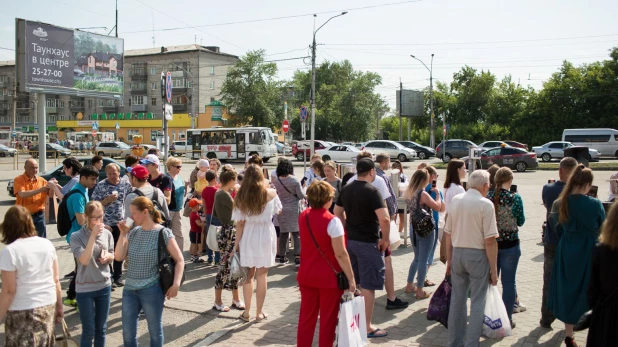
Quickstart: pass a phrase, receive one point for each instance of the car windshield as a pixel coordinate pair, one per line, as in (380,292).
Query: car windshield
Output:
(50,171)
(123,145)
(55,146)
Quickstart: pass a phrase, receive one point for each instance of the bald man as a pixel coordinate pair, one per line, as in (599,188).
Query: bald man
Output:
(32,192)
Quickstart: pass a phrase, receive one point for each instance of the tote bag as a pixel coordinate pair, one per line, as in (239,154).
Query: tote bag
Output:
(352,328)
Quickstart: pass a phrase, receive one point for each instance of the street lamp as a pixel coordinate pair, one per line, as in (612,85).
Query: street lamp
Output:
(313,82)
(431,126)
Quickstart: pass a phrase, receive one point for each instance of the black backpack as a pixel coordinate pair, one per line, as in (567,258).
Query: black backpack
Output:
(172,205)
(64,220)
(155,202)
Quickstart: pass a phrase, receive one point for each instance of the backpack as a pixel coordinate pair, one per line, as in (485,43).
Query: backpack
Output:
(155,202)
(172,205)
(64,220)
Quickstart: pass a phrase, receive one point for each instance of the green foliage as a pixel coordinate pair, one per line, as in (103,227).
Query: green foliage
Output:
(85,44)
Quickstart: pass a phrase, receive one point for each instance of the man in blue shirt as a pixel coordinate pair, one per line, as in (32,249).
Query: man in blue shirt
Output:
(76,206)
(551,192)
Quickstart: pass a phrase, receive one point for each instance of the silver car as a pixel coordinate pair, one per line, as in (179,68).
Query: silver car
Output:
(555,150)
(392,148)
(113,149)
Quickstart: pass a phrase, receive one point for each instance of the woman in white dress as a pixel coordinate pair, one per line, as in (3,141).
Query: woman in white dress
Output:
(254,207)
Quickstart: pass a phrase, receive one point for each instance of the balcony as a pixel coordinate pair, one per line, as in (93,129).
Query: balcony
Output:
(139,71)
(110,109)
(4,82)
(77,106)
(176,90)
(139,108)
(51,109)
(4,111)
(139,90)
(179,107)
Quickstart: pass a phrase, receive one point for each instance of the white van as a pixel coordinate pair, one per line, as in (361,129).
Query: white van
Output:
(604,140)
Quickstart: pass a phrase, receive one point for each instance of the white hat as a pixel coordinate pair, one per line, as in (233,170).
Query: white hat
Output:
(203,163)
(150,159)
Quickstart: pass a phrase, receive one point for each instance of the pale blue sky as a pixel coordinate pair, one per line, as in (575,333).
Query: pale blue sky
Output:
(522,38)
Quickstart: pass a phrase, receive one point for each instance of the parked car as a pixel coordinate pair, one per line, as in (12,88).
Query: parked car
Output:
(303,148)
(423,152)
(341,153)
(455,148)
(392,148)
(62,179)
(282,146)
(515,158)
(180,147)
(516,144)
(555,150)
(359,145)
(52,150)
(487,145)
(113,149)
(6,151)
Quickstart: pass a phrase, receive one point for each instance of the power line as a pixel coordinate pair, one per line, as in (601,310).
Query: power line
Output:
(274,18)
(7,49)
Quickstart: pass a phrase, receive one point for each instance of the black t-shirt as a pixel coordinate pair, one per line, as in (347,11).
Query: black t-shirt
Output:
(165,183)
(360,199)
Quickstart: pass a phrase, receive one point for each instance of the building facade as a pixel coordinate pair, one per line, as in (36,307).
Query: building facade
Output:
(197,75)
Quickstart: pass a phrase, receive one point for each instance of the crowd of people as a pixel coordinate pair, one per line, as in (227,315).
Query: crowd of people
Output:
(339,226)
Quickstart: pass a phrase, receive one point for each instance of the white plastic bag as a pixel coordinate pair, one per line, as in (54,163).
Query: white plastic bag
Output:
(352,327)
(496,322)
(394,238)
(237,272)
(211,238)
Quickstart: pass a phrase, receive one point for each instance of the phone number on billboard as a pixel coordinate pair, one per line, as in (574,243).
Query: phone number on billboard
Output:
(46,72)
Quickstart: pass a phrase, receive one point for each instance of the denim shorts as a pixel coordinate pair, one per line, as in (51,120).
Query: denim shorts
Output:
(367,264)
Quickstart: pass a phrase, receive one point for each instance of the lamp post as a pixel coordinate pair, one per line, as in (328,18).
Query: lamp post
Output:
(431,126)
(313,82)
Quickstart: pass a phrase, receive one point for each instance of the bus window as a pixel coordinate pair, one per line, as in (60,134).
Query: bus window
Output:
(255,139)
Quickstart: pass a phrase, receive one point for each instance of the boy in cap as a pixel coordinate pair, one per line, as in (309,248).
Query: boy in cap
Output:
(195,234)
(157,178)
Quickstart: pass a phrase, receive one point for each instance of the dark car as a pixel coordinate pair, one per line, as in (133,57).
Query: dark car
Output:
(517,144)
(62,179)
(454,149)
(515,158)
(52,150)
(422,152)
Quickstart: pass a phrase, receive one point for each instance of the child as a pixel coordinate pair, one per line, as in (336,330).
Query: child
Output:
(195,234)
(201,183)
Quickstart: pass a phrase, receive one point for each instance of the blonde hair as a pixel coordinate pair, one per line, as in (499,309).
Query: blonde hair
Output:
(90,208)
(419,180)
(171,162)
(609,233)
(580,178)
(17,224)
(252,195)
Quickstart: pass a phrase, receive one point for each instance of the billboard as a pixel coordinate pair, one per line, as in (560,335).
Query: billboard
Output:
(56,60)
(412,104)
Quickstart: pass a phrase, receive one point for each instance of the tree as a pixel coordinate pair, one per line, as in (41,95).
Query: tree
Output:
(252,93)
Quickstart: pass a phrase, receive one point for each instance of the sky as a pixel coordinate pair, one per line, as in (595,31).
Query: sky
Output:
(525,39)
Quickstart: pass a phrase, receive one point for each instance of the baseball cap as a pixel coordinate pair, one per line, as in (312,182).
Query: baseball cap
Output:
(364,165)
(150,159)
(193,202)
(140,172)
(129,169)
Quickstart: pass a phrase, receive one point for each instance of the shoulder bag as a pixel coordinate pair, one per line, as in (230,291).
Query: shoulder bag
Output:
(422,221)
(300,208)
(342,279)
(167,265)
(212,233)
(584,321)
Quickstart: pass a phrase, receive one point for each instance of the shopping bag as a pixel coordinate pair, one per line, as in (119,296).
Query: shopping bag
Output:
(211,238)
(394,238)
(237,272)
(496,322)
(352,328)
(440,303)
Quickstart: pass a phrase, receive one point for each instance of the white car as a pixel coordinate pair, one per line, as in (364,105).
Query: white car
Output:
(392,148)
(555,150)
(487,145)
(341,153)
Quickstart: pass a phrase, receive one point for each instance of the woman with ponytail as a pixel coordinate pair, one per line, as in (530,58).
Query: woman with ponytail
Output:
(139,239)
(510,216)
(577,219)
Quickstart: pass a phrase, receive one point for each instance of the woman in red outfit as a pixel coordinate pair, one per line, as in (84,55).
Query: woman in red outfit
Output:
(319,292)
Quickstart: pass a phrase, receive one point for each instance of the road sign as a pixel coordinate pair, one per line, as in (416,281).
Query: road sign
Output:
(117,126)
(36,127)
(286,126)
(169,112)
(303,114)
(14,134)
(168,87)
(94,133)
(95,126)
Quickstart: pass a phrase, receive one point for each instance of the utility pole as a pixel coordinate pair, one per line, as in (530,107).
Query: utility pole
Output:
(116,18)
(14,129)
(400,109)
(432,116)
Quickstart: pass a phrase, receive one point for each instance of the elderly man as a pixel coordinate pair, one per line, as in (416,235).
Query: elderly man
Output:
(111,193)
(472,257)
(32,192)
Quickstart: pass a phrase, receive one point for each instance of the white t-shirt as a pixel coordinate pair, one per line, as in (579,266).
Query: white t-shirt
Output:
(335,228)
(378,183)
(452,192)
(32,259)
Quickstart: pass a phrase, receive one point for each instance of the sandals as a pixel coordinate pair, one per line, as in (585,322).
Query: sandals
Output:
(260,317)
(238,305)
(246,319)
(221,308)
(425,295)
(377,333)
(410,291)
(429,283)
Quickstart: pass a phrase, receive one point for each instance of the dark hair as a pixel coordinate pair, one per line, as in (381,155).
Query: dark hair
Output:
(255,159)
(88,171)
(382,158)
(96,159)
(346,178)
(210,176)
(492,174)
(240,177)
(74,164)
(284,168)
(253,194)
(609,233)
(227,175)
(153,151)
(501,176)
(319,193)
(130,160)
(581,177)
(17,224)
(452,176)
(318,168)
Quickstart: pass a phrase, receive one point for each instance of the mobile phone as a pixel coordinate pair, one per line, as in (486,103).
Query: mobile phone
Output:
(551,180)
(465,185)
(434,183)
(513,188)
(593,191)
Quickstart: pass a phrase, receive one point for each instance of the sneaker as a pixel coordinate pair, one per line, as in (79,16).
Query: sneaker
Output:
(70,274)
(119,283)
(284,260)
(396,304)
(208,262)
(277,259)
(199,260)
(114,286)
(70,302)
(297,262)
(519,307)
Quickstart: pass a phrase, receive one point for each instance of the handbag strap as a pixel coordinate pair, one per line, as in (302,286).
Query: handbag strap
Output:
(161,251)
(286,188)
(65,329)
(316,244)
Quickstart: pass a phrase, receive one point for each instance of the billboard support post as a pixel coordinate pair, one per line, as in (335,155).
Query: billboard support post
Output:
(42,130)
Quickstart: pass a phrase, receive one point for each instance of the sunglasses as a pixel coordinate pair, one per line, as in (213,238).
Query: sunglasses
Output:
(178,167)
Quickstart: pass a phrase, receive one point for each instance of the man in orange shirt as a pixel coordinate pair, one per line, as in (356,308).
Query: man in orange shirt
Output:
(32,192)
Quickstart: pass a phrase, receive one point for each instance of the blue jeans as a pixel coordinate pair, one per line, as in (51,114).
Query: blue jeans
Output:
(507,265)
(433,248)
(93,312)
(215,221)
(39,224)
(151,301)
(422,250)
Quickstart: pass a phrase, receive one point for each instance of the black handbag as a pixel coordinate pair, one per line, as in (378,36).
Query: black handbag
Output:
(167,266)
(584,321)
(422,221)
(342,279)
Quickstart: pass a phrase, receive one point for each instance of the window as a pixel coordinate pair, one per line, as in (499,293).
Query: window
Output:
(9,92)
(138,100)
(131,133)
(121,102)
(510,151)
(153,101)
(3,119)
(61,103)
(212,70)
(556,145)
(212,85)
(153,86)
(4,91)
(154,134)
(62,117)
(190,84)
(51,102)
(4,79)
(179,82)
(138,86)
(110,103)
(153,70)
(129,101)
(100,103)
(493,152)
(89,103)
(212,99)
(52,118)
(587,138)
